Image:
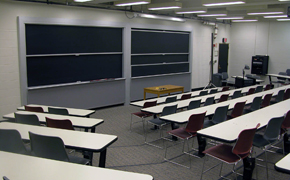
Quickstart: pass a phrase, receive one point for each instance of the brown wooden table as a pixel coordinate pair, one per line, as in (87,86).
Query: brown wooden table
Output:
(164,89)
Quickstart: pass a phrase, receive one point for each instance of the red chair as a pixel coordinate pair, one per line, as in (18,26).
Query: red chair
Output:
(237,110)
(287,94)
(232,154)
(266,100)
(33,108)
(226,88)
(267,87)
(195,123)
(185,96)
(59,123)
(143,115)
(285,126)
(251,91)
(223,98)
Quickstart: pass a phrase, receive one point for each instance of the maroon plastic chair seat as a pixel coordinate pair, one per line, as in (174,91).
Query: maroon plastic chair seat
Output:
(237,110)
(33,108)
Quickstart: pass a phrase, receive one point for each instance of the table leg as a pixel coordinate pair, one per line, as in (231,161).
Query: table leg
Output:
(249,165)
(102,161)
(201,145)
(270,79)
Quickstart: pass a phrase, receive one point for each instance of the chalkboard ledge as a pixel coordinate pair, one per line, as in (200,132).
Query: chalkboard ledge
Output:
(170,74)
(76,83)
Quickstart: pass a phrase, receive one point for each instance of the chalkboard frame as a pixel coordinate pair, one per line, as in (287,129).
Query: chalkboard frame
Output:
(159,57)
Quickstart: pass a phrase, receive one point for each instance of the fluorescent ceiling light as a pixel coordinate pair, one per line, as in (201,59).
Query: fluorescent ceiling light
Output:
(131,2)
(82,0)
(211,15)
(151,16)
(277,16)
(191,11)
(266,11)
(164,6)
(245,20)
(284,0)
(221,2)
(225,18)
(284,19)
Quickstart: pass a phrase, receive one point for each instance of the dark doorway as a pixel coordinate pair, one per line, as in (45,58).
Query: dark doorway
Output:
(223,57)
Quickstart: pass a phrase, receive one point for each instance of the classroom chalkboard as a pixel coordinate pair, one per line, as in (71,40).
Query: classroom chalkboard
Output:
(58,54)
(68,69)
(156,52)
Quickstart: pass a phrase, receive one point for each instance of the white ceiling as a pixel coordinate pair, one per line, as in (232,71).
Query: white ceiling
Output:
(233,10)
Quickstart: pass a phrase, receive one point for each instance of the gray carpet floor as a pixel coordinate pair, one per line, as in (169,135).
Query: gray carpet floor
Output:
(130,153)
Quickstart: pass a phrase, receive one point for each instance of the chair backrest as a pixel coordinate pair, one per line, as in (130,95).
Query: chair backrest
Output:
(273,128)
(280,96)
(256,103)
(286,122)
(239,82)
(223,98)
(170,99)
(30,119)
(226,88)
(33,108)
(266,100)
(202,93)
(148,104)
(195,123)
(50,147)
(59,123)
(287,94)
(267,87)
(288,72)
(259,89)
(251,91)
(282,73)
(225,76)
(10,141)
(209,101)
(220,114)
(244,142)
(185,96)
(237,94)
(212,91)
(194,104)
(249,75)
(238,109)
(169,110)
(61,111)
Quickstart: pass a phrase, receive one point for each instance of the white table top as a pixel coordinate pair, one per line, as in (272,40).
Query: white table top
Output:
(182,117)
(71,111)
(283,165)
(257,80)
(74,139)
(20,167)
(81,122)
(162,99)
(184,103)
(228,131)
(277,75)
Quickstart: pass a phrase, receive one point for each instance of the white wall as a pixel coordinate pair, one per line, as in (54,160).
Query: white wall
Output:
(9,64)
(262,38)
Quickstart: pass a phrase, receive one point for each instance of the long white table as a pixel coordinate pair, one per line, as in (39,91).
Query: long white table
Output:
(277,75)
(182,117)
(21,167)
(79,122)
(92,142)
(71,111)
(228,131)
(184,103)
(161,100)
(283,165)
